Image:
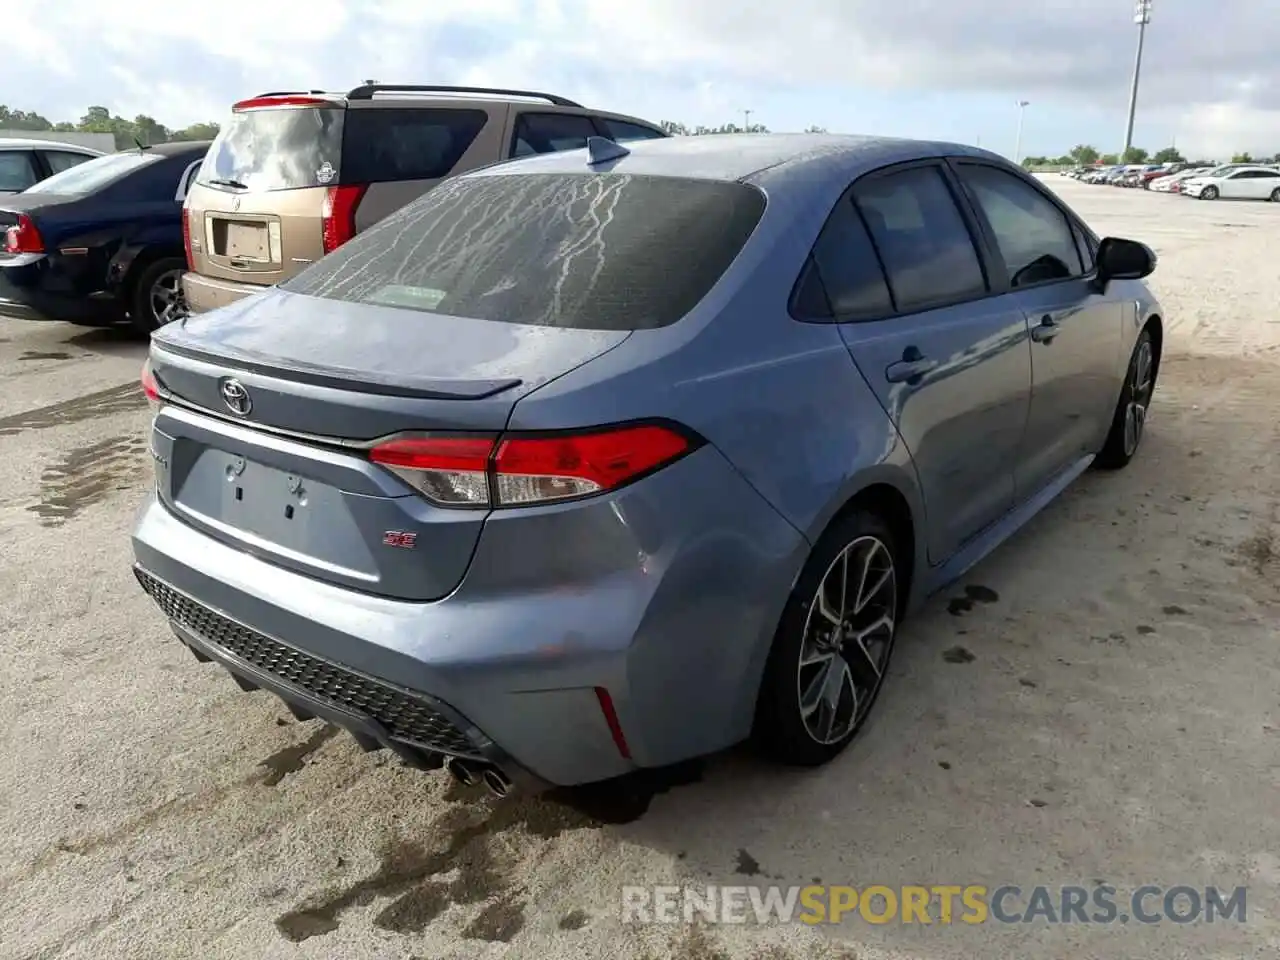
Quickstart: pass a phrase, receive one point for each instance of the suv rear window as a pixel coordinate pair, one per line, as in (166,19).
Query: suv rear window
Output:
(586,251)
(388,143)
(279,148)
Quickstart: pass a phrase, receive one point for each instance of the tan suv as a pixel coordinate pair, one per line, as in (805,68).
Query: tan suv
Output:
(293,176)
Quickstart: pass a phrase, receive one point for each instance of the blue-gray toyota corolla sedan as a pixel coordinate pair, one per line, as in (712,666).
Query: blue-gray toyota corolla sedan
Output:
(611,458)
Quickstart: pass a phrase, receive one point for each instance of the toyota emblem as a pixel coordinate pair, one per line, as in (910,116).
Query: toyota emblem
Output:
(236,397)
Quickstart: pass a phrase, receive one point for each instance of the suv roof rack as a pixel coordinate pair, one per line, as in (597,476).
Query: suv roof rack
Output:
(366,92)
(293,93)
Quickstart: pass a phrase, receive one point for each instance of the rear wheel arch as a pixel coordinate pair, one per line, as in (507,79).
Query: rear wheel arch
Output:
(887,502)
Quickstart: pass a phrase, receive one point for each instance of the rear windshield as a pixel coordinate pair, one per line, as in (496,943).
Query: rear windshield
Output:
(276,149)
(94,174)
(587,251)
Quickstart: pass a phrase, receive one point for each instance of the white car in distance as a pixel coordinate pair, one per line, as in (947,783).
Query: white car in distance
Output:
(1255,182)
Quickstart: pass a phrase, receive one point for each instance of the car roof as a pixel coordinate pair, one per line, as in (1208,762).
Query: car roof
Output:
(747,157)
(21,143)
(179,147)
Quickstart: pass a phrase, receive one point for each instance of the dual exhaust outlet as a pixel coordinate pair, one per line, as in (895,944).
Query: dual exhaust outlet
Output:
(470,772)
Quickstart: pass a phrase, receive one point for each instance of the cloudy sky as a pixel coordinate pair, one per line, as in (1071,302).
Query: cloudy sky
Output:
(925,68)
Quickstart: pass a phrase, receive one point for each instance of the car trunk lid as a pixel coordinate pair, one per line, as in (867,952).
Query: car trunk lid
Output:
(287,476)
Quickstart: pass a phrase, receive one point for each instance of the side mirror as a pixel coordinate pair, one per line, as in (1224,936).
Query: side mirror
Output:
(1123,260)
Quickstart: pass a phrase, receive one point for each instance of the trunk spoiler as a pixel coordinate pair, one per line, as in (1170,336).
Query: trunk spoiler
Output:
(337,378)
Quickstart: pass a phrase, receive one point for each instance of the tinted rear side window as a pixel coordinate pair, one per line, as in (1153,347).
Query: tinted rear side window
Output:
(551,133)
(850,271)
(922,238)
(586,251)
(17,169)
(621,132)
(388,143)
(278,148)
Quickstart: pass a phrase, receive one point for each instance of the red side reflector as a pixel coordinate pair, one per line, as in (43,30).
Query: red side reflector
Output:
(257,103)
(611,718)
(338,213)
(23,238)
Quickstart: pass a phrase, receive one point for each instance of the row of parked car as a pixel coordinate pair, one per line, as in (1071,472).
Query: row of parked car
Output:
(1228,181)
(148,235)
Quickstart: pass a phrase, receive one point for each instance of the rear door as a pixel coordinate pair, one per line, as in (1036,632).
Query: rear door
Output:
(1076,332)
(18,170)
(946,355)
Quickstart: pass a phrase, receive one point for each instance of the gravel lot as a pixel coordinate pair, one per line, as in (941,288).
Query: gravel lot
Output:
(1117,716)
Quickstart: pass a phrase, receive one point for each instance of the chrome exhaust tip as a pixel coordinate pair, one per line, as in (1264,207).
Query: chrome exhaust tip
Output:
(499,783)
(463,772)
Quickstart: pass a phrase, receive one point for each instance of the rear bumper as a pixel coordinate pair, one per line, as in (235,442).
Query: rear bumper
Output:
(23,297)
(667,598)
(205,293)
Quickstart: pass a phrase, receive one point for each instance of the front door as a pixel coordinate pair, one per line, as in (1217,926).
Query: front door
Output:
(947,358)
(1076,331)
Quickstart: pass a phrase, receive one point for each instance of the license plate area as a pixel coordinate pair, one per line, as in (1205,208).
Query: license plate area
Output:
(240,496)
(241,240)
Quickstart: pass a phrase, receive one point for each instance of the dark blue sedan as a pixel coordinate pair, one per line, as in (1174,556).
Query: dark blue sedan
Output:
(102,242)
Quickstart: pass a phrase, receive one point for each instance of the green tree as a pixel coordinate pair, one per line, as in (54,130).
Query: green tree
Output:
(1168,155)
(197,131)
(1109,159)
(1242,158)
(1032,162)
(1135,155)
(1084,155)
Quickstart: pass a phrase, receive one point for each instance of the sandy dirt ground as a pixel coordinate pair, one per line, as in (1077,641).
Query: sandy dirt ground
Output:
(1107,710)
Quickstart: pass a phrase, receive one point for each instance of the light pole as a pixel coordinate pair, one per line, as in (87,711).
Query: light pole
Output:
(1141,16)
(746,121)
(1017,146)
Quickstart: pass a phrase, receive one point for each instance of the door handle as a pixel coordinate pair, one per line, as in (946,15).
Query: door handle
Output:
(1045,330)
(911,367)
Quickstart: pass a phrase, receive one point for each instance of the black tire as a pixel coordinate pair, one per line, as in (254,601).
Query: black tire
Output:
(1209,193)
(143,314)
(1275,195)
(1120,448)
(780,730)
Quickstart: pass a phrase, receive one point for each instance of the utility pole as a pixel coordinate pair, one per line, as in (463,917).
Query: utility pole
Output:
(746,120)
(1141,16)
(1017,146)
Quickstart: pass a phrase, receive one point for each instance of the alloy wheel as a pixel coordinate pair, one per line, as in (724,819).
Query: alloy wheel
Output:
(166,298)
(1275,195)
(1210,193)
(1140,388)
(848,635)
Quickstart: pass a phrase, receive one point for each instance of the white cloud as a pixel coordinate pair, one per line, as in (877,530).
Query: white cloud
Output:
(1211,73)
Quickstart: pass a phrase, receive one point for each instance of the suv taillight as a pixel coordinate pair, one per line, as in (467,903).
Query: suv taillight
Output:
(23,238)
(186,233)
(525,469)
(338,215)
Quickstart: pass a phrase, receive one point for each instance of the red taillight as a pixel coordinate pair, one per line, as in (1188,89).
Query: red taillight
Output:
(186,234)
(23,238)
(150,385)
(257,103)
(516,470)
(338,224)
